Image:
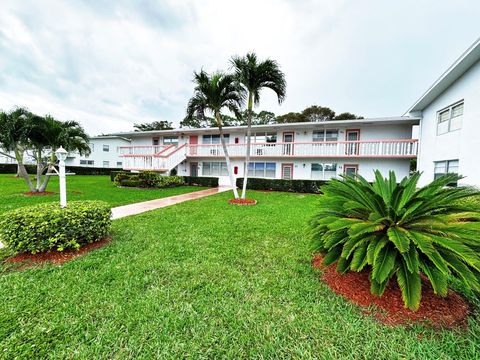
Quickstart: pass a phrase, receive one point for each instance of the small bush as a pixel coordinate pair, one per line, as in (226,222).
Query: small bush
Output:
(113,174)
(300,186)
(169,181)
(200,181)
(147,179)
(47,227)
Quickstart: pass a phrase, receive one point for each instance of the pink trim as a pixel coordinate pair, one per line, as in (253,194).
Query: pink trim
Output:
(141,146)
(287,164)
(167,148)
(142,169)
(173,152)
(308,156)
(317,142)
(345,166)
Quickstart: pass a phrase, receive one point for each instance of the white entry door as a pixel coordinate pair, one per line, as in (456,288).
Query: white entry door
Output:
(287,171)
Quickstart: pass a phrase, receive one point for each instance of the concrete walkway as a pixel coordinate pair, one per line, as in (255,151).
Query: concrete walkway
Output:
(138,208)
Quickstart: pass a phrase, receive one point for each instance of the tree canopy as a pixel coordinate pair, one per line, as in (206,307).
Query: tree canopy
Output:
(155,125)
(22,131)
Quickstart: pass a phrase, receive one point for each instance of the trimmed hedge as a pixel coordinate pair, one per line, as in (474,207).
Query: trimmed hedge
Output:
(299,186)
(45,227)
(147,179)
(113,174)
(79,170)
(201,181)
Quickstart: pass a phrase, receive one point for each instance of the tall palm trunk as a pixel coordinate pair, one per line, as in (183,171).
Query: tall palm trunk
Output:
(22,172)
(247,155)
(50,167)
(227,157)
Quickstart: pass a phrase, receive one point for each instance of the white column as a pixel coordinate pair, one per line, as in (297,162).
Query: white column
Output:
(63,184)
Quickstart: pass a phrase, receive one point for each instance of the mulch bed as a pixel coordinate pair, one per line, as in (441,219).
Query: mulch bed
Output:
(435,311)
(242,201)
(37,193)
(56,257)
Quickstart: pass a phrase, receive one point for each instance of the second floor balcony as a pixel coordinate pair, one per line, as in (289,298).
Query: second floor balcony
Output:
(406,148)
(367,149)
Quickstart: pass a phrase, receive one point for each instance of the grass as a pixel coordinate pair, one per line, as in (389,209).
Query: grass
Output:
(80,187)
(204,279)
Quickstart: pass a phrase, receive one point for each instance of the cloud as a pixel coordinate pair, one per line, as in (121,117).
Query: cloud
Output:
(111,64)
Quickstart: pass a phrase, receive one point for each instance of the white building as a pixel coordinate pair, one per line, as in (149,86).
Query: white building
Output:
(105,152)
(319,150)
(450,118)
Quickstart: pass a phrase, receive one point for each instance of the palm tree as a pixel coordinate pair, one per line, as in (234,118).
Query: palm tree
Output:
(47,132)
(22,131)
(213,93)
(397,229)
(255,76)
(14,128)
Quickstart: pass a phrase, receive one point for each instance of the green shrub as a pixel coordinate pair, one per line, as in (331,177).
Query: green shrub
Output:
(47,227)
(113,174)
(147,179)
(300,186)
(169,181)
(200,181)
(399,230)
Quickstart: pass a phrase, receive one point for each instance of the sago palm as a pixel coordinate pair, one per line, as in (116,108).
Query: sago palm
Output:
(255,75)
(401,230)
(214,93)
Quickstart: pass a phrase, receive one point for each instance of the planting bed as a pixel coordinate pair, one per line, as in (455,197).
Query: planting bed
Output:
(449,312)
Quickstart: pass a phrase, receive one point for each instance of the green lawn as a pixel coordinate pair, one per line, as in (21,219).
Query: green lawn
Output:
(80,187)
(204,279)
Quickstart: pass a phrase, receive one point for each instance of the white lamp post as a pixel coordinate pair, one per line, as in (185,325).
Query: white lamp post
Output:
(61,156)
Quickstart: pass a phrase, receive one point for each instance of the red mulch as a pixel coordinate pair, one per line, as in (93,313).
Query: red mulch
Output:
(39,193)
(435,311)
(242,201)
(57,257)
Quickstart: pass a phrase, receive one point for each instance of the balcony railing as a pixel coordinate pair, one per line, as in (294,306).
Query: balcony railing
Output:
(372,148)
(142,150)
(164,158)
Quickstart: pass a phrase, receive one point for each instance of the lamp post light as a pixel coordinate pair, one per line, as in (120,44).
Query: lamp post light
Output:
(61,156)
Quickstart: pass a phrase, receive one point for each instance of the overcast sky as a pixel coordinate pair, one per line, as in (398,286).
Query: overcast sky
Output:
(109,64)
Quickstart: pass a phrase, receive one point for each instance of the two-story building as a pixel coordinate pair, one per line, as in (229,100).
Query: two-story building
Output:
(105,152)
(450,118)
(319,150)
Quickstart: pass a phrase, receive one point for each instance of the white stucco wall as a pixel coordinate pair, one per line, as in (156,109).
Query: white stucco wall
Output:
(461,144)
(98,155)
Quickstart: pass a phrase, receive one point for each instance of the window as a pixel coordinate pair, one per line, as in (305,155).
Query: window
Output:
(263,137)
(170,140)
(106,164)
(214,139)
(260,169)
(324,171)
(445,167)
(119,163)
(106,148)
(450,119)
(214,169)
(325,135)
(86,162)
(155,141)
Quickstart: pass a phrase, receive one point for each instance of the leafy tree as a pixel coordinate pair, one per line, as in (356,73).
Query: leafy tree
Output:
(254,76)
(316,113)
(156,125)
(264,118)
(212,94)
(14,127)
(291,117)
(401,230)
(347,116)
(198,122)
(22,131)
